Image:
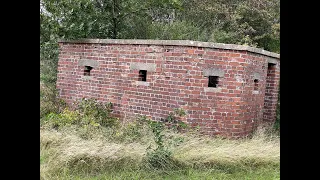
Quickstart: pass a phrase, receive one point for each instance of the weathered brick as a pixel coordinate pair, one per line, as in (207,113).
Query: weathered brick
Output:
(176,81)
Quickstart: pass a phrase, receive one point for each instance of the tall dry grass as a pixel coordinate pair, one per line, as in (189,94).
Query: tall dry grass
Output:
(65,152)
(262,149)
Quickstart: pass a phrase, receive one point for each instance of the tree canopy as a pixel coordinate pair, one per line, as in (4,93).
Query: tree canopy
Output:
(249,22)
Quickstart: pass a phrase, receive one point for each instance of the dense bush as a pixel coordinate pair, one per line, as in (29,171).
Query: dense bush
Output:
(87,115)
(49,103)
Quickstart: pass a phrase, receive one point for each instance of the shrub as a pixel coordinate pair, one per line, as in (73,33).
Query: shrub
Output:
(97,112)
(136,130)
(160,157)
(49,103)
(65,118)
(174,120)
(177,30)
(88,116)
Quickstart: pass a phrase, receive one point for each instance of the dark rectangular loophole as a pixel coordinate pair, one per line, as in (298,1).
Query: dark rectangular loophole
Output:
(142,75)
(87,70)
(256,84)
(271,66)
(213,81)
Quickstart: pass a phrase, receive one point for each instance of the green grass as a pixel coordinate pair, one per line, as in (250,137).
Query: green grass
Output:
(204,174)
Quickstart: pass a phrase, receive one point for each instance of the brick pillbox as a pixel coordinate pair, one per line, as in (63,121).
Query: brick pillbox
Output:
(225,89)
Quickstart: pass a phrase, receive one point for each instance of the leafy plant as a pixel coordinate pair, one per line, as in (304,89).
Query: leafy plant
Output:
(159,158)
(180,112)
(173,120)
(49,103)
(97,112)
(135,130)
(66,118)
(88,115)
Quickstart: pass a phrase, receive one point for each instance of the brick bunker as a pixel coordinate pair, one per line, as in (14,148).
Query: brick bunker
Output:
(225,89)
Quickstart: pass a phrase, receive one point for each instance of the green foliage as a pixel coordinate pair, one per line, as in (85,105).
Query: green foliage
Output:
(49,103)
(133,131)
(173,122)
(42,159)
(237,21)
(180,112)
(97,112)
(66,118)
(88,116)
(157,129)
(160,157)
(101,19)
(254,23)
(177,30)
(269,173)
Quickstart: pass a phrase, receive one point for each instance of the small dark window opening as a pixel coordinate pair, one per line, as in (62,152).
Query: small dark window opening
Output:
(142,75)
(87,70)
(271,66)
(256,84)
(213,81)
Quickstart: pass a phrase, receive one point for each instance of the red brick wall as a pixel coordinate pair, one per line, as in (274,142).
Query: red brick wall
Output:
(271,92)
(178,81)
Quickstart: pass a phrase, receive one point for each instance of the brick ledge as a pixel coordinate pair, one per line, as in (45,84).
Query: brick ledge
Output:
(174,43)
